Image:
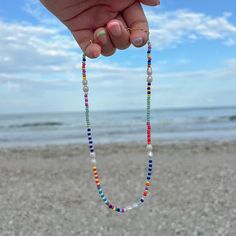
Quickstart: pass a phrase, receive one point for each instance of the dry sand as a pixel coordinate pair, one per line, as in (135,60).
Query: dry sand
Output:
(50,190)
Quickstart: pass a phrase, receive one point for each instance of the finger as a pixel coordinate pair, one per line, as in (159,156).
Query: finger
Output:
(118,33)
(83,38)
(136,19)
(150,2)
(102,38)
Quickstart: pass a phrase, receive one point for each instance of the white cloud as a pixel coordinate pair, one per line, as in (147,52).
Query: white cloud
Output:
(169,29)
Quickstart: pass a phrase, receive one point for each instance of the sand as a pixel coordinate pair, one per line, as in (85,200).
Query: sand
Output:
(50,190)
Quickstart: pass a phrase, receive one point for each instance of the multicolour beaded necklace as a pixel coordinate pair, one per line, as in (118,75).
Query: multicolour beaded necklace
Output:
(148,148)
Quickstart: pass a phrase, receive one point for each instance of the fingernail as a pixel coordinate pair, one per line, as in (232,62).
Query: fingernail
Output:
(137,41)
(115,29)
(102,36)
(92,53)
(96,53)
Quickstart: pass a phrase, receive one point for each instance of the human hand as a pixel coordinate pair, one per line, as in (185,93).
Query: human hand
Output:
(105,22)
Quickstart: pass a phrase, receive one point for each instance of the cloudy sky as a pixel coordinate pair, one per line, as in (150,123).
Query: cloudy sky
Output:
(194,61)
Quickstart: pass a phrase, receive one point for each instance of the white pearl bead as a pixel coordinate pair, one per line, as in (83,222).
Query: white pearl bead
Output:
(150,154)
(135,205)
(149,147)
(86,88)
(92,154)
(84,82)
(93,161)
(149,78)
(149,71)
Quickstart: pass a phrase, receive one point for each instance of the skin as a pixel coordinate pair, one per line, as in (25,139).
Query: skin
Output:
(104,22)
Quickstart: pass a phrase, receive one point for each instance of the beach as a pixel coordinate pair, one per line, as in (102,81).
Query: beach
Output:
(49,190)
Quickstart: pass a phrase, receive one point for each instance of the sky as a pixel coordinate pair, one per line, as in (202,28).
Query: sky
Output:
(194,61)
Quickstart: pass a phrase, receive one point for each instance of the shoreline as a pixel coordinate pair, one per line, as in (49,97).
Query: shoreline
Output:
(159,143)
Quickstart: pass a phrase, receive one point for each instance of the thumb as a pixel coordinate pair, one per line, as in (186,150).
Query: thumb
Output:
(150,2)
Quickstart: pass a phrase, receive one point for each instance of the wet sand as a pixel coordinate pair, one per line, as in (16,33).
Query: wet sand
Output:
(50,190)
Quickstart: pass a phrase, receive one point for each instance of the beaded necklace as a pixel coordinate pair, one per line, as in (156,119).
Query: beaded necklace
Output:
(148,147)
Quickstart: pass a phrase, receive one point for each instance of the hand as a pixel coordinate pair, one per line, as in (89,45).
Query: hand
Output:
(104,22)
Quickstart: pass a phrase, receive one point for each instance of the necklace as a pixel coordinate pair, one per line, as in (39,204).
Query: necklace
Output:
(148,147)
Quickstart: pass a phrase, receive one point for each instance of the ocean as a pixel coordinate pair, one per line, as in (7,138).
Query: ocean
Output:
(168,125)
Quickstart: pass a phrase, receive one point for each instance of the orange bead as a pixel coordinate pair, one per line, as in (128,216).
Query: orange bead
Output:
(147,183)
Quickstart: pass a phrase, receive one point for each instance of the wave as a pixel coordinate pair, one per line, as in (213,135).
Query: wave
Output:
(36,124)
(232,118)
(206,119)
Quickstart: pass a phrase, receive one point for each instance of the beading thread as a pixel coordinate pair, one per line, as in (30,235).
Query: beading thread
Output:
(148,147)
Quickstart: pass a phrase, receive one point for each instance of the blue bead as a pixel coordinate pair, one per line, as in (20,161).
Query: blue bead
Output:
(141,200)
(150,165)
(148,178)
(150,161)
(149,173)
(88,129)
(90,142)
(149,169)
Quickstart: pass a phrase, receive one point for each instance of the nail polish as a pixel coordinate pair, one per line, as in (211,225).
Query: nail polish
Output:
(115,29)
(101,35)
(137,41)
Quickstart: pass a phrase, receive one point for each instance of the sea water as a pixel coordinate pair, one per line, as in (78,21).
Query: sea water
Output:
(168,125)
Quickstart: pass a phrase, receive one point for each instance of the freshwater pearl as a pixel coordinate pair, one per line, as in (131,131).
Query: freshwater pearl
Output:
(92,154)
(85,88)
(135,205)
(150,154)
(149,147)
(149,78)
(93,161)
(84,82)
(149,71)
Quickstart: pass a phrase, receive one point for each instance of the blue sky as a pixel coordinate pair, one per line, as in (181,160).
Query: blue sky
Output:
(194,61)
